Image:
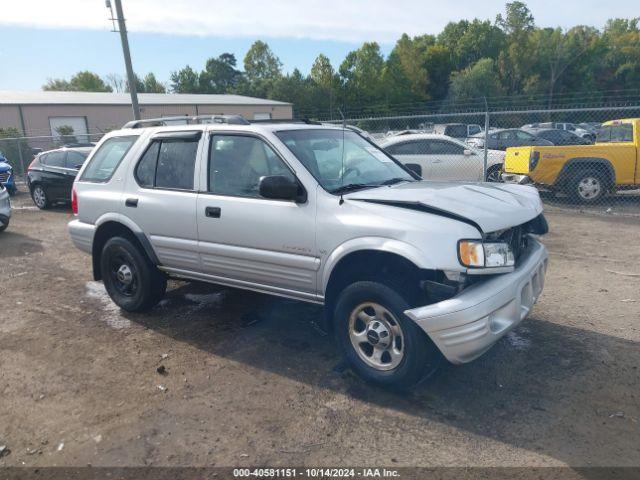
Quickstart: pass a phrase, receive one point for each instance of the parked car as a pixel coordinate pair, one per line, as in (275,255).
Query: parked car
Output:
(51,174)
(589,134)
(501,139)
(405,269)
(5,208)
(457,130)
(560,137)
(584,172)
(444,158)
(7,178)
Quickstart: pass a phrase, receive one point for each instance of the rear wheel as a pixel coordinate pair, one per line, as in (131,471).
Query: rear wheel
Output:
(588,186)
(40,197)
(131,280)
(381,344)
(4,224)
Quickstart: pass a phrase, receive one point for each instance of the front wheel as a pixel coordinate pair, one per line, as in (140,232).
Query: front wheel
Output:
(381,344)
(494,174)
(131,280)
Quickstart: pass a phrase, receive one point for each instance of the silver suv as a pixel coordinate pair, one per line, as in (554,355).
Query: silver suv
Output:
(407,270)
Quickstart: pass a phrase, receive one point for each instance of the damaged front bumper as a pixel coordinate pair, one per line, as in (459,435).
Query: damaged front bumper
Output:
(467,325)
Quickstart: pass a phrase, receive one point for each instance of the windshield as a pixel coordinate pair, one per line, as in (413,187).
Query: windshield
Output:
(616,133)
(337,166)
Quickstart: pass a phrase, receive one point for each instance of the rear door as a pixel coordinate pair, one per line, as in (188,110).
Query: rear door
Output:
(449,162)
(55,178)
(160,197)
(413,151)
(73,161)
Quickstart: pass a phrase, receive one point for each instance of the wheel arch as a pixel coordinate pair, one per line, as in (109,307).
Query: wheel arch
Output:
(387,259)
(110,228)
(575,163)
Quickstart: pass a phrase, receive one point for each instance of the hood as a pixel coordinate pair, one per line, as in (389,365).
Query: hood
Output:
(487,206)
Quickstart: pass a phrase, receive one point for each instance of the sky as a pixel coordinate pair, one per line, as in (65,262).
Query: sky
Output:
(54,39)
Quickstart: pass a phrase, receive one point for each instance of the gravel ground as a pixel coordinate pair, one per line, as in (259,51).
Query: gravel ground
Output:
(249,380)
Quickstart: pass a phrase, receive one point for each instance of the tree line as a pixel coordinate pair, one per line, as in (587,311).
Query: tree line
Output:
(510,58)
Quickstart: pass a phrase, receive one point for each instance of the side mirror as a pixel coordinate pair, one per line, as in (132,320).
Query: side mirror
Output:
(279,187)
(415,168)
(467,152)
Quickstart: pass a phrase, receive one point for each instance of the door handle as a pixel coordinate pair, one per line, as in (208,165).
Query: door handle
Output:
(212,212)
(437,161)
(131,202)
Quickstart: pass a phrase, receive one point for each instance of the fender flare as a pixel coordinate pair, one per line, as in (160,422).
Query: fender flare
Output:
(577,161)
(137,231)
(381,244)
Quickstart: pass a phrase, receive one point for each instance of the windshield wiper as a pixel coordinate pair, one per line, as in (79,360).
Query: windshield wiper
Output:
(393,181)
(349,187)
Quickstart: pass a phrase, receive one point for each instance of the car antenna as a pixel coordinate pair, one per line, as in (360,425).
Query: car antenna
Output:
(344,127)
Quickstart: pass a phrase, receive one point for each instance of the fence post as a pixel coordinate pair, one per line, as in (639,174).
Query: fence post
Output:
(486,141)
(19,142)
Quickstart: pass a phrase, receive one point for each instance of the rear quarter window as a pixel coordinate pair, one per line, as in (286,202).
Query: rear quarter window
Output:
(106,159)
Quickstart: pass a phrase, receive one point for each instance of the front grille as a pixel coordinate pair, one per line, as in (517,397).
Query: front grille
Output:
(4,177)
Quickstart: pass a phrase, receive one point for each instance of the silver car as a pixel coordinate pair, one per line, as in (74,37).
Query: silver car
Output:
(407,270)
(5,208)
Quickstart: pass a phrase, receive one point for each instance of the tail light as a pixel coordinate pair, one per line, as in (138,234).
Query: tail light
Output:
(533,160)
(74,201)
(31,164)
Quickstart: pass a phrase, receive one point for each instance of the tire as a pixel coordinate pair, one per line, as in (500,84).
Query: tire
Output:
(4,225)
(587,186)
(405,361)
(39,197)
(131,280)
(493,174)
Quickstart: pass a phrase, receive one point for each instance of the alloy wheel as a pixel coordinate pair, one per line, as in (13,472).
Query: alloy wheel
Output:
(376,336)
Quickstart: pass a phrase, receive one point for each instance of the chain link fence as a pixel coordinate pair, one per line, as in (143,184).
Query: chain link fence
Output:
(579,158)
(20,151)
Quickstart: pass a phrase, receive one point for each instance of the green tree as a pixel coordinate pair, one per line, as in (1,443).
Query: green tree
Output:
(324,77)
(361,74)
(84,81)
(220,74)
(261,69)
(260,63)
(477,81)
(468,42)
(66,134)
(406,76)
(185,80)
(17,152)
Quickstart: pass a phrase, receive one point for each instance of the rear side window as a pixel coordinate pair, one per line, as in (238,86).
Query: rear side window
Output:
(75,159)
(615,133)
(107,158)
(407,148)
(55,159)
(456,131)
(168,164)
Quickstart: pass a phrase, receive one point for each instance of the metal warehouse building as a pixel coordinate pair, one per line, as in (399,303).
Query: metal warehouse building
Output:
(41,113)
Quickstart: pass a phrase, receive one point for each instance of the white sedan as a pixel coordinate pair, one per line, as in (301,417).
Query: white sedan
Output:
(444,158)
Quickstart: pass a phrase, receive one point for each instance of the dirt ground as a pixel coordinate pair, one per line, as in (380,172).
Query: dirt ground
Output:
(251,381)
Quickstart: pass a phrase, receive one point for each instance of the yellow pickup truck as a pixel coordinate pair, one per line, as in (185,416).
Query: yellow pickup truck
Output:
(584,172)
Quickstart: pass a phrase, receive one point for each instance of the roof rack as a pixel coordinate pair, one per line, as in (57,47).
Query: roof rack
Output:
(155,122)
(288,120)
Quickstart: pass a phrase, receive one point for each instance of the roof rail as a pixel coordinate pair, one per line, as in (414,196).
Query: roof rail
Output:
(288,120)
(155,122)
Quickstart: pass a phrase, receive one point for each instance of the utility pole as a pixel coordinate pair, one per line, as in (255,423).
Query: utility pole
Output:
(122,28)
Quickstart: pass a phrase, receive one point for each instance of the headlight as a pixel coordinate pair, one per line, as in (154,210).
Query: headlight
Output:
(476,254)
